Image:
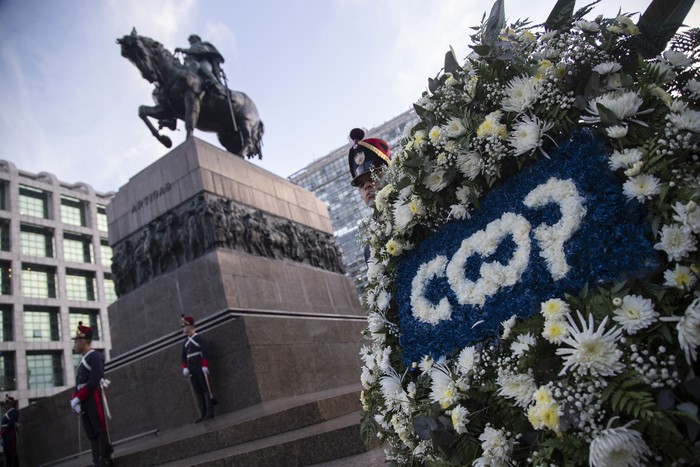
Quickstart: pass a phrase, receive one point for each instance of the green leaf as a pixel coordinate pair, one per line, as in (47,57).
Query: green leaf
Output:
(482,50)
(660,22)
(607,116)
(561,15)
(433,85)
(495,23)
(451,63)
(424,427)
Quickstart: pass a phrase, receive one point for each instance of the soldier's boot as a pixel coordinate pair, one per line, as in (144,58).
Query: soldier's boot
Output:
(209,409)
(95,448)
(106,450)
(202,410)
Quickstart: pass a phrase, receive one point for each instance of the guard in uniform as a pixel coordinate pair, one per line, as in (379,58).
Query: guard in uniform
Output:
(87,396)
(8,431)
(368,158)
(195,366)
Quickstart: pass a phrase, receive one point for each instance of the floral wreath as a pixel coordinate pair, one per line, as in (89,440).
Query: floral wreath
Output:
(533,289)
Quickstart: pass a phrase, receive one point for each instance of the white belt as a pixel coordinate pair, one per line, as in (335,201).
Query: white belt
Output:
(190,355)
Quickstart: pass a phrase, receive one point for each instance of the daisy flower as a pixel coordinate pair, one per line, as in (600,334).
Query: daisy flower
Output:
(554,309)
(641,187)
(676,241)
(521,92)
(591,351)
(635,313)
(680,278)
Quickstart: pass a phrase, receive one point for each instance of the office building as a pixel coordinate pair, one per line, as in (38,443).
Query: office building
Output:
(54,272)
(329,179)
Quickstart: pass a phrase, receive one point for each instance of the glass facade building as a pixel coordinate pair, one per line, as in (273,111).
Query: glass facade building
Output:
(54,272)
(329,179)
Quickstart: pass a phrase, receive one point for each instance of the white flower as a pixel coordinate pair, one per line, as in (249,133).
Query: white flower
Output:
(686,120)
(375,322)
(508,326)
(470,164)
(688,215)
(436,180)
(406,209)
(607,68)
(521,92)
(587,26)
(443,389)
(625,158)
(689,331)
(641,187)
(554,309)
(422,308)
(435,135)
(527,134)
(382,196)
(383,300)
(466,360)
(635,313)
(455,128)
(677,241)
(592,351)
(392,390)
(497,449)
(623,104)
(616,131)
(426,363)
(680,278)
(614,447)
(694,87)
(677,59)
(555,331)
(457,211)
(459,419)
(522,344)
(520,387)
(492,126)
(419,140)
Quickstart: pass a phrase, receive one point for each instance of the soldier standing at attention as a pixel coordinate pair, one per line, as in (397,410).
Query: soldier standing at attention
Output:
(368,158)
(87,396)
(196,366)
(8,431)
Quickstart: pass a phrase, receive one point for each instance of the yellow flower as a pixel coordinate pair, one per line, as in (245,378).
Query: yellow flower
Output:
(491,126)
(549,414)
(527,36)
(392,247)
(543,396)
(554,331)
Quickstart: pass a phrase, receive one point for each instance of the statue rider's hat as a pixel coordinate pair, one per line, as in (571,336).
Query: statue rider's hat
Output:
(366,154)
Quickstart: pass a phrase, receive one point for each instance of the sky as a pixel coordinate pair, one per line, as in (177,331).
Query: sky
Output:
(314,68)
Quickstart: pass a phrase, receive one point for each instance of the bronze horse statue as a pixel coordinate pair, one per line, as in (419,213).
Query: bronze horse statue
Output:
(181,93)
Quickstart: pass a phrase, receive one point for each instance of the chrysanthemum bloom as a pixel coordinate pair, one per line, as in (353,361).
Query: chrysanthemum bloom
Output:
(587,26)
(521,92)
(554,309)
(455,128)
(436,180)
(677,59)
(677,241)
(522,344)
(527,134)
(680,278)
(491,126)
(443,389)
(624,105)
(624,26)
(591,351)
(688,215)
(466,360)
(641,187)
(520,387)
(508,327)
(459,419)
(393,247)
(435,135)
(625,158)
(544,415)
(497,449)
(382,196)
(635,313)
(392,390)
(686,120)
(693,87)
(689,331)
(616,131)
(555,331)
(470,164)
(607,68)
(615,447)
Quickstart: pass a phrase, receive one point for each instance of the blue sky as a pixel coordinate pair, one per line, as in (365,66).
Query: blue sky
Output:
(315,69)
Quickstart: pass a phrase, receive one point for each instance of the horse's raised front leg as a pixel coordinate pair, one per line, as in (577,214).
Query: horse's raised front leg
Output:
(158,113)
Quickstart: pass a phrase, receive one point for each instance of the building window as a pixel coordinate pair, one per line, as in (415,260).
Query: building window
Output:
(38,281)
(5,278)
(109,290)
(33,202)
(36,241)
(4,235)
(44,370)
(72,211)
(105,253)
(6,324)
(41,324)
(80,285)
(77,248)
(8,375)
(101,218)
(3,195)
(87,316)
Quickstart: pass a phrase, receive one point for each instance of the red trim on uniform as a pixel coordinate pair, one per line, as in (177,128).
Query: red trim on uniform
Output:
(100,410)
(82,393)
(205,362)
(184,364)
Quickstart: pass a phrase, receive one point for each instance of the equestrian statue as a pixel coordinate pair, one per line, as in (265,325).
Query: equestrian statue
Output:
(194,91)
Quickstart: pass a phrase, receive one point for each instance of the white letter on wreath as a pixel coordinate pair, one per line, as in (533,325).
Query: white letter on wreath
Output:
(424,310)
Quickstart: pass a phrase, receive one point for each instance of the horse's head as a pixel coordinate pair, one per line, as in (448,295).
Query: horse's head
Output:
(139,51)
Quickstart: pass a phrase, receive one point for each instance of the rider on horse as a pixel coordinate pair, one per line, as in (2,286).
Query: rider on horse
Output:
(203,58)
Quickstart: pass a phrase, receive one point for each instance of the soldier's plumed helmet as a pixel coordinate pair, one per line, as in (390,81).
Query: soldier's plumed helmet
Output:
(187,321)
(366,154)
(83,332)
